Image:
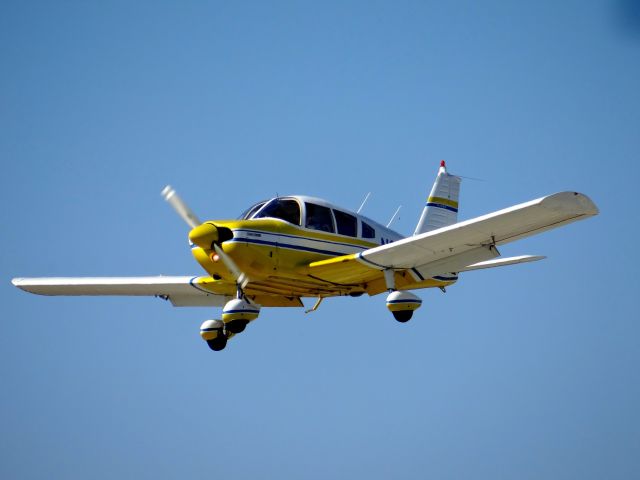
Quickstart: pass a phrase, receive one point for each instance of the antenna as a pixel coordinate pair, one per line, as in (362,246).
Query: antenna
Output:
(394,216)
(472,178)
(363,202)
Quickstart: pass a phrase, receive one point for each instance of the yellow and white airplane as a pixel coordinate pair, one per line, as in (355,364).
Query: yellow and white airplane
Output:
(287,248)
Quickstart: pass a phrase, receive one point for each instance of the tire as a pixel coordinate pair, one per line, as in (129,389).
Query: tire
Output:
(217,344)
(403,315)
(236,326)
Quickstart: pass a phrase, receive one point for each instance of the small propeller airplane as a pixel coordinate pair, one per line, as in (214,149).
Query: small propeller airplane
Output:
(287,248)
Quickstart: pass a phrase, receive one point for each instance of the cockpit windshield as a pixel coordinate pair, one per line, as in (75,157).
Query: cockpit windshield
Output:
(283,208)
(248,213)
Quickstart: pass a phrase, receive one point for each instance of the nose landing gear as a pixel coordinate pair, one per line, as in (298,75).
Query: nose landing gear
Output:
(236,315)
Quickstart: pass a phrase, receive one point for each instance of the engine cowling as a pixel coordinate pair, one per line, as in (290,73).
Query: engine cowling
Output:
(403,304)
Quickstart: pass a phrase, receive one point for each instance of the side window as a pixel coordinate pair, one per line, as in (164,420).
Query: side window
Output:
(347,224)
(368,231)
(319,218)
(287,210)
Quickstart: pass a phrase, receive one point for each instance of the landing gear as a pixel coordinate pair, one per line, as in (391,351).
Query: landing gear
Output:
(212,332)
(402,305)
(218,343)
(403,316)
(236,315)
(236,326)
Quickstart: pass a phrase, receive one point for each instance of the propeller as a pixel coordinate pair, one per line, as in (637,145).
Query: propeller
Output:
(201,234)
(205,235)
(239,276)
(181,208)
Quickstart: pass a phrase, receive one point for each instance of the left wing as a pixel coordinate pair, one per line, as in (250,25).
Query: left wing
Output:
(180,291)
(458,247)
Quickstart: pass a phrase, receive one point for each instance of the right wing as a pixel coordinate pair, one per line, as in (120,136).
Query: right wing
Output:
(180,291)
(458,247)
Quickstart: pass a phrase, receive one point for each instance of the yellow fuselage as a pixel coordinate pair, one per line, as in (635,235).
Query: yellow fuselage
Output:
(276,255)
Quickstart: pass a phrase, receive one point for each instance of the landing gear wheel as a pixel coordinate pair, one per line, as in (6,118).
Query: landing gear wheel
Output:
(218,343)
(403,315)
(236,326)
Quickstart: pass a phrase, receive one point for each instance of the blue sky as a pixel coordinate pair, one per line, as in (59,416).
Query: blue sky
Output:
(522,372)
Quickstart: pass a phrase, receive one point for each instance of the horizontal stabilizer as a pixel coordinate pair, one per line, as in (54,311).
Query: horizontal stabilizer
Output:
(503,262)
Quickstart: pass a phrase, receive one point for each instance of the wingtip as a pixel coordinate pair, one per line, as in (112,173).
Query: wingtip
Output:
(29,285)
(576,202)
(18,283)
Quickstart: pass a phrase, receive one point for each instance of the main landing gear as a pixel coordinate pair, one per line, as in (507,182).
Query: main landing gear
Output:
(236,315)
(401,304)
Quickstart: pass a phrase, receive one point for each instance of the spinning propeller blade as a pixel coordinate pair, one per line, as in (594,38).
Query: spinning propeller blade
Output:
(172,197)
(239,276)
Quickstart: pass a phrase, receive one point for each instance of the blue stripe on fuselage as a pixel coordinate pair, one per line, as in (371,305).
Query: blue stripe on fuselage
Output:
(286,245)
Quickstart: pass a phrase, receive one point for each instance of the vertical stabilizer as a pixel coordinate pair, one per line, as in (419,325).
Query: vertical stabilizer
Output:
(441,209)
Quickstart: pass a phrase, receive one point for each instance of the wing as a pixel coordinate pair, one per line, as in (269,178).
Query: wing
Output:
(458,247)
(181,291)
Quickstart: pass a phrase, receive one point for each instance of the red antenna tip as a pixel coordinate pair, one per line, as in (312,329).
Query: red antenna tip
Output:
(442,163)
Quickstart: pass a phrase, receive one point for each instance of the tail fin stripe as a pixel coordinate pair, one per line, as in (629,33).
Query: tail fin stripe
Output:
(445,207)
(441,208)
(444,201)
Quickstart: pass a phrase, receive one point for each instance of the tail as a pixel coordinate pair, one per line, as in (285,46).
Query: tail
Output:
(441,209)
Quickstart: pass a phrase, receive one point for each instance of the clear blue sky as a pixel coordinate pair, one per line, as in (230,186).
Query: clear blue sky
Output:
(525,372)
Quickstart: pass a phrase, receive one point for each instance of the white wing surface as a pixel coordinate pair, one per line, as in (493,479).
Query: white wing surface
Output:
(461,246)
(503,262)
(181,291)
(497,228)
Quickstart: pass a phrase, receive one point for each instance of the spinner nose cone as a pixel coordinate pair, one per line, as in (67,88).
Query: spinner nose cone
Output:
(204,235)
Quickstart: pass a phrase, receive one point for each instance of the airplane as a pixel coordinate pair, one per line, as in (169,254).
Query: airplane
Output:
(287,248)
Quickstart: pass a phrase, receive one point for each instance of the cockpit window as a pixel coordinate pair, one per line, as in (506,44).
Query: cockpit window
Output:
(248,213)
(284,209)
(368,231)
(319,218)
(347,224)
